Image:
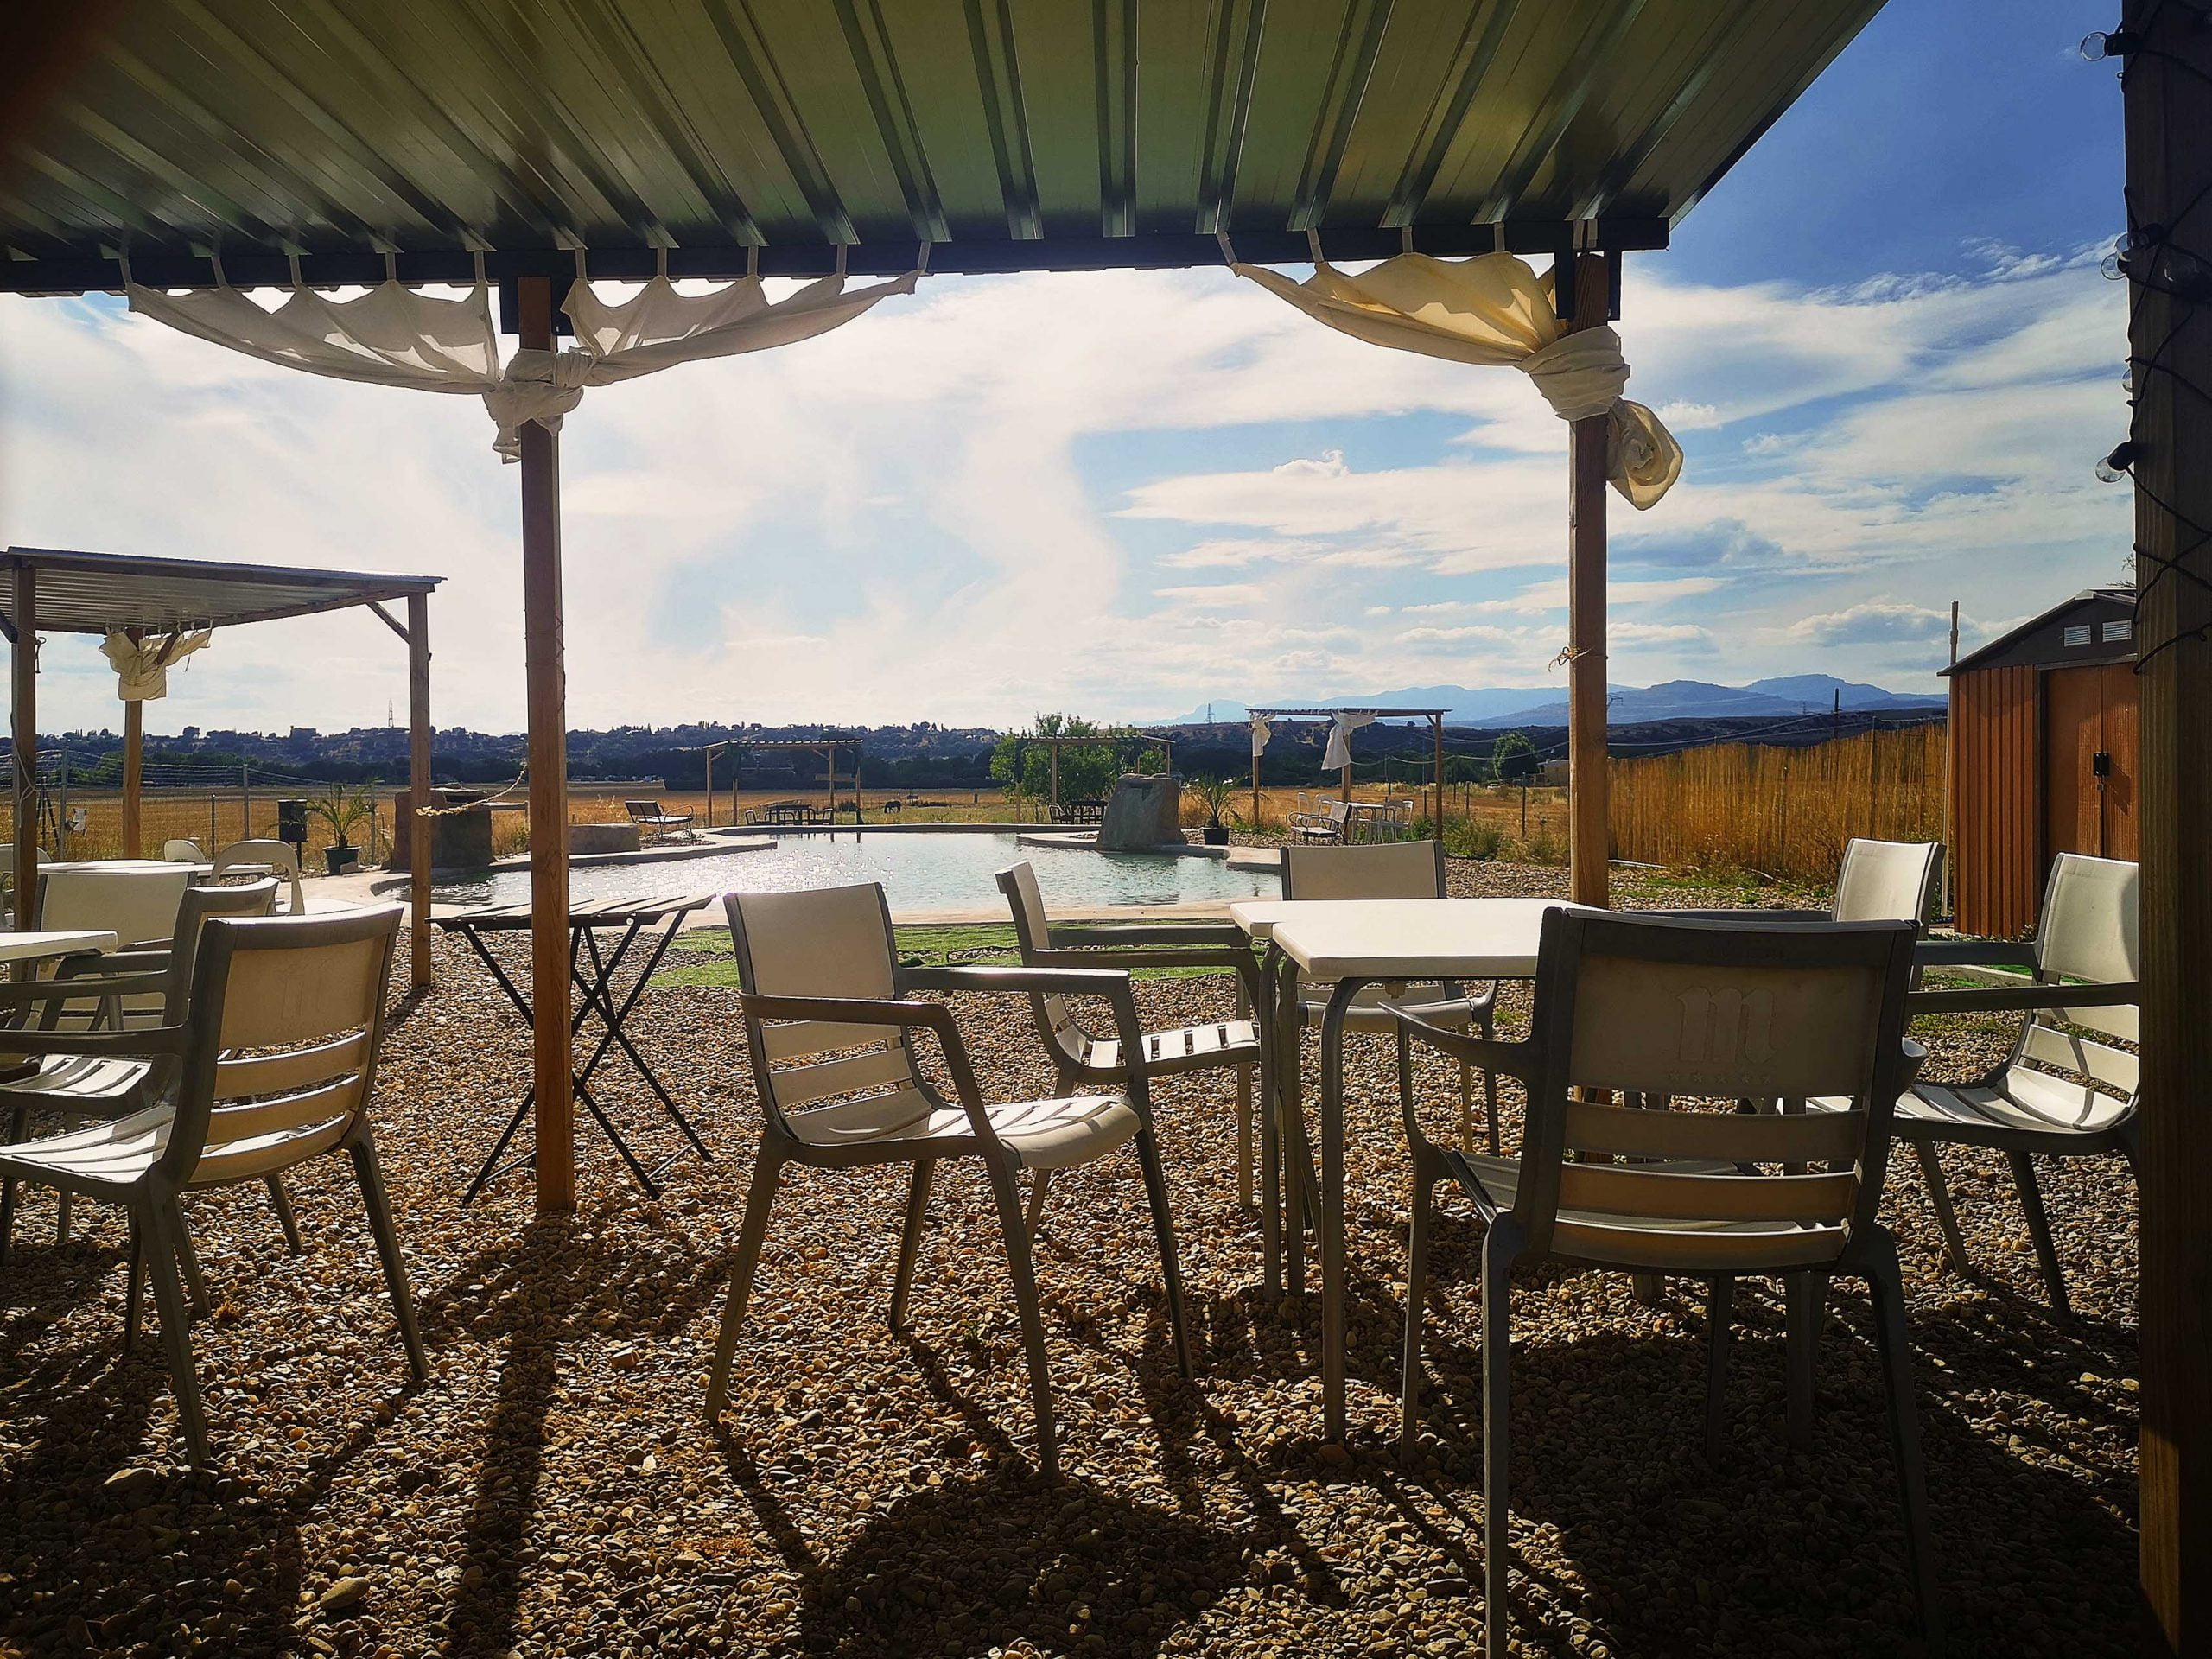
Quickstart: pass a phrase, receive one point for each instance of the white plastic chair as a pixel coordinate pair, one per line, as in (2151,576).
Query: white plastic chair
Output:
(1661,1012)
(2063,1091)
(278,856)
(828,1030)
(137,903)
(1083,1056)
(184,852)
(274,1062)
(1397,869)
(124,990)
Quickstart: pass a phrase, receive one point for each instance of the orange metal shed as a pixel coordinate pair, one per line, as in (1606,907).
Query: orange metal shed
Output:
(2042,755)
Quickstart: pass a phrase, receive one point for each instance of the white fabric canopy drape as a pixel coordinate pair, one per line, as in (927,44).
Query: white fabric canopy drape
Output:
(1493,309)
(393,336)
(1342,725)
(1260,730)
(141,666)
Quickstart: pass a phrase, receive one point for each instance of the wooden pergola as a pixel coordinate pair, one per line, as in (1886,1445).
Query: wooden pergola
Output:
(1435,718)
(827,747)
(412,139)
(51,590)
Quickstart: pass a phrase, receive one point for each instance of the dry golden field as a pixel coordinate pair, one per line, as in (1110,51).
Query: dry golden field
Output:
(1781,812)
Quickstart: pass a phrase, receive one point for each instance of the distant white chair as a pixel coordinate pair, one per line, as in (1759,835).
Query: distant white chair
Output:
(184,852)
(2030,1101)
(280,858)
(124,990)
(137,903)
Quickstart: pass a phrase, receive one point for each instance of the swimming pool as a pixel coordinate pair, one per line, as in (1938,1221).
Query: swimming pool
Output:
(920,870)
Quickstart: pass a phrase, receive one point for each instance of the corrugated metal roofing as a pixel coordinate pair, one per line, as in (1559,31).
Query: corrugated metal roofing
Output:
(92,593)
(1015,134)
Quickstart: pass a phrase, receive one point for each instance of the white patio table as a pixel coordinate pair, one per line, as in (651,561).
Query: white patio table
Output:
(1358,942)
(44,945)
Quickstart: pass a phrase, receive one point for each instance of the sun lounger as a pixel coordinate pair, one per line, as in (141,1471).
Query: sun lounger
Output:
(651,821)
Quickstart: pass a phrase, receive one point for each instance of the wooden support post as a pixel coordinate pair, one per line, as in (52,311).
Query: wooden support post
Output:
(134,772)
(545,667)
(418,827)
(25,664)
(710,753)
(2169,111)
(1056,781)
(1589,835)
(1256,794)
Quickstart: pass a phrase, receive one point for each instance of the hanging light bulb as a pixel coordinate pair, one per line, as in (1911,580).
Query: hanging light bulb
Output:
(2099,44)
(2145,257)
(2115,465)
(2127,380)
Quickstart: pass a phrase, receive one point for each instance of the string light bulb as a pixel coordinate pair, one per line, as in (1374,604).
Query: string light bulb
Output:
(2117,465)
(2102,43)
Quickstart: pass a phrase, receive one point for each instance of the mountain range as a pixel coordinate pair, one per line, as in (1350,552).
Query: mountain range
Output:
(1778,698)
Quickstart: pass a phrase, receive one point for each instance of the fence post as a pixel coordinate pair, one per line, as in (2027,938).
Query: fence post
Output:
(245,804)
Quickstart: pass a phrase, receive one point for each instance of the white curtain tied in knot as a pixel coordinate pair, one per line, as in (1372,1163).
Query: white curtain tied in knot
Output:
(1342,725)
(394,336)
(1493,309)
(141,666)
(1260,729)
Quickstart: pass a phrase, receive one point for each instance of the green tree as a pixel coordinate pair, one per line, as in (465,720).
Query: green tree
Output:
(1087,771)
(1513,759)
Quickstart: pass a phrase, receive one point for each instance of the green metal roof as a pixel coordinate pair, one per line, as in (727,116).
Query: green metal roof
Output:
(1015,134)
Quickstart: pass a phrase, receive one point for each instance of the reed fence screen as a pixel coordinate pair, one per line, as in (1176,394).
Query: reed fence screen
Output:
(1785,812)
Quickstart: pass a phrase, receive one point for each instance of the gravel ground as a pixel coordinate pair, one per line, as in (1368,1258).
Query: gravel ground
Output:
(554,1488)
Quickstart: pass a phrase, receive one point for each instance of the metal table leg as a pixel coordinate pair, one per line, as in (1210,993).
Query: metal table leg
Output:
(1331,1242)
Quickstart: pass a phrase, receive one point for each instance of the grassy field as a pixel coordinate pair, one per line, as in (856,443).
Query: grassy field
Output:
(1782,813)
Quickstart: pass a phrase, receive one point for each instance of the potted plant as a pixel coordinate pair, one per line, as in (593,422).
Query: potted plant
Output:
(344,808)
(1215,792)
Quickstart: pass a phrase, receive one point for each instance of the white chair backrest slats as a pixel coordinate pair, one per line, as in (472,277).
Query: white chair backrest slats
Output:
(1887,880)
(1701,1020)
(137,903)
(182,852)
(1393,869)
(831,942)
(287,1012)
(2088,932)
(280,856)
(1033,929)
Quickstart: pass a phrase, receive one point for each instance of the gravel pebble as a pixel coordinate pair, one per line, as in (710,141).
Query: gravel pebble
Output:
(554,1489)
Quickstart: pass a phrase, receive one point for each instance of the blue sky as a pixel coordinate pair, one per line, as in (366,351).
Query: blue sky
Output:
(1884,341)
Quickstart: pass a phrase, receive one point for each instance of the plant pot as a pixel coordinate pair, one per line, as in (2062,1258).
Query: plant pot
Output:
(1216,835)
(339,860)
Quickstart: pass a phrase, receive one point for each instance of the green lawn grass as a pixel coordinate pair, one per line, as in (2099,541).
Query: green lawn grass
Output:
(705,955)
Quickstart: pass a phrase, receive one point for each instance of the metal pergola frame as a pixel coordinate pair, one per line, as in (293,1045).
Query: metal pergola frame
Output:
(1434,716)
(825,747)
(56,590)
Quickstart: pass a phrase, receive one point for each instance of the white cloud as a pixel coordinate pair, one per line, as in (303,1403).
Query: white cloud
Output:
(913,519)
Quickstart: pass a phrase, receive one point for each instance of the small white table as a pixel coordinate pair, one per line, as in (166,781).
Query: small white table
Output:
(1358,942)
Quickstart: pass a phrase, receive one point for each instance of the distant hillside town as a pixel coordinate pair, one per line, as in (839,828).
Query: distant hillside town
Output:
(1806,708)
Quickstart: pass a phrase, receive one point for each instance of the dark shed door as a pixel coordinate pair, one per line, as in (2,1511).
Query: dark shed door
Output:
(2089,760)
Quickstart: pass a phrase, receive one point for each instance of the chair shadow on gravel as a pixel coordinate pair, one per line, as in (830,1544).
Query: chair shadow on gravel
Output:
(977,1566)
(1770,1548)
(561,1284)
(102,1565)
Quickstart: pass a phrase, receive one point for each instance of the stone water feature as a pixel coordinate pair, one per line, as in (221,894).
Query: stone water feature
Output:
(1144,813)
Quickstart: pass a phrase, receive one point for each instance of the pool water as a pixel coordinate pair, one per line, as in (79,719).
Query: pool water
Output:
(918,870)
